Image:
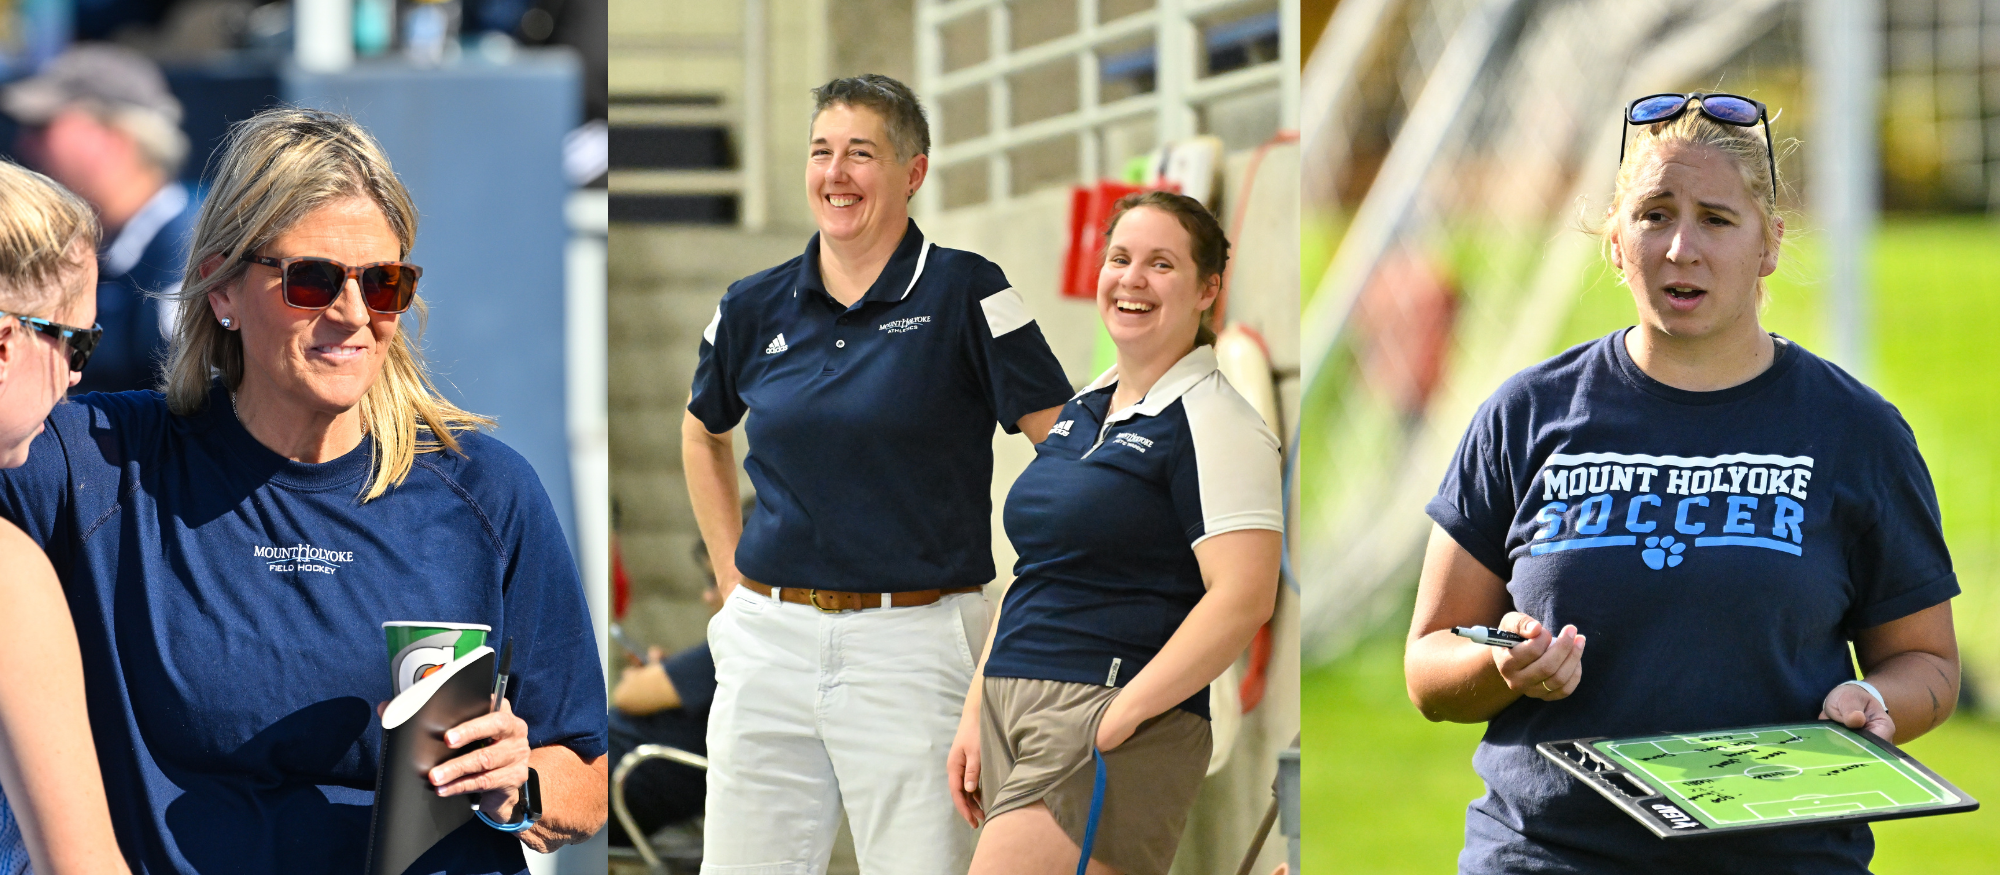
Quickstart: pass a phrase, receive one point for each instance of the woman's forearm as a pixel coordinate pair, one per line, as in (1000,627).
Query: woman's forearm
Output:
(48,762)
(1448,677)
(709,463)
(574,797)
(1913,661)
(1243,589)
(1920,690)
(1452,679)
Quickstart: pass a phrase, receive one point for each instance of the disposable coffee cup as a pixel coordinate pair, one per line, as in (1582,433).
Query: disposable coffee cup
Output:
(419,647)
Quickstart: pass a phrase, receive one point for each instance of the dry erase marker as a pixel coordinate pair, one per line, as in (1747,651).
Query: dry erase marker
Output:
(1489,637)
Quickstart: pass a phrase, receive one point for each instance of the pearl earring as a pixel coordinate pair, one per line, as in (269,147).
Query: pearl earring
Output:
(225,322)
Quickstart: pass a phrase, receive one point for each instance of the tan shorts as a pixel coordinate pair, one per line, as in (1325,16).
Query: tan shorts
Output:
(1034,746)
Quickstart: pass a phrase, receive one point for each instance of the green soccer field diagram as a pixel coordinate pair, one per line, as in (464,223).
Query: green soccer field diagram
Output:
(1809,770)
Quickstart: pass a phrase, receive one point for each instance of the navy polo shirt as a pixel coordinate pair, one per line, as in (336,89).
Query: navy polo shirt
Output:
(871,426)
(1106,518)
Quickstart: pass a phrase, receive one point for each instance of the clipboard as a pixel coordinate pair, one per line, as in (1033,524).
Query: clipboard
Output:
(409,817)
(1757,778)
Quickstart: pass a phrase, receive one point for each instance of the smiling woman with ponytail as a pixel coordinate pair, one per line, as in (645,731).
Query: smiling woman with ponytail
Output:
(1148,529)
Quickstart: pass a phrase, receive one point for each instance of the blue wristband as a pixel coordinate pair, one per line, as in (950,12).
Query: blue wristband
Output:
(530,804)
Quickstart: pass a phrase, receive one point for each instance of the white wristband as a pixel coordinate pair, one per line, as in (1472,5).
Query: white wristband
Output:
(1871,691)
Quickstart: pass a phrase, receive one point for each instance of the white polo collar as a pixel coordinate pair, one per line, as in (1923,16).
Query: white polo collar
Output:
(123,254)
(1184,375)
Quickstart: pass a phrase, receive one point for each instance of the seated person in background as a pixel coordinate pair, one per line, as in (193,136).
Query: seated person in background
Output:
(101,121)
(665,701)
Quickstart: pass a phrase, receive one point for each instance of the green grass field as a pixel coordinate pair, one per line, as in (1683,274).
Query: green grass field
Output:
(1936,341)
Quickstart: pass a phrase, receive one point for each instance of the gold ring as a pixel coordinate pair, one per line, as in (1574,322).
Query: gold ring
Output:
(1545,686)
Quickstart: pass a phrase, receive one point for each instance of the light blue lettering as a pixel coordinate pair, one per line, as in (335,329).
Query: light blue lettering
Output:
(1790,515)
(1594,515)
(1738,520)
(1551,515)
(1681,515)
(1632,523)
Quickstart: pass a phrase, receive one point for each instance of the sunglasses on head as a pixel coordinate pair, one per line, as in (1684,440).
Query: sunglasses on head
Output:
(311,283)
(1729,109)
(81,341)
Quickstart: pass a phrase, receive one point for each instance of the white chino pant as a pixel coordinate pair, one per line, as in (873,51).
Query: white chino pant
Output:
(817,712)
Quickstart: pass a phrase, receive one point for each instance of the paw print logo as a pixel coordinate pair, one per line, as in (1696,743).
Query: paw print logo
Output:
(1662,552)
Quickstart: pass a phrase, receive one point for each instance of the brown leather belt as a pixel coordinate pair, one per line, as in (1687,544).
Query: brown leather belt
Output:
(835,601)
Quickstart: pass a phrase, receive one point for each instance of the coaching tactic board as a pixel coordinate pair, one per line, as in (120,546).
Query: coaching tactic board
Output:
(1761,777)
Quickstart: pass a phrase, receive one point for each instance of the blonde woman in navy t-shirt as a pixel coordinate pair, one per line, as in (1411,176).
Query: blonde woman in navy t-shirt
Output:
(231,547)
(1148,529)
(1689,520)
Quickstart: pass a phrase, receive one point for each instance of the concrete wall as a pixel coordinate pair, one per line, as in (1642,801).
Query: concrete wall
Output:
(664,284)
(872,36)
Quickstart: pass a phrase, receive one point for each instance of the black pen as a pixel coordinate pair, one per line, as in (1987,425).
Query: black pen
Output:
(500,677)
(1488,637)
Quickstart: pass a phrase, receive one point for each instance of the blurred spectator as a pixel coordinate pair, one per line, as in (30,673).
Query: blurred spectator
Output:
(100,120)
(665,701)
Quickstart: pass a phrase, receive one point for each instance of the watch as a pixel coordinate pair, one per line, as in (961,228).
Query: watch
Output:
(530,806)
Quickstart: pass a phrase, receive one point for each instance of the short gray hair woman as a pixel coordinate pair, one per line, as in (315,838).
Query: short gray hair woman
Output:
(234,547)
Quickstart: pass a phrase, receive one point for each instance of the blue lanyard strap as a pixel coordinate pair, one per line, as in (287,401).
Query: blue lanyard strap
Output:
(1096,808)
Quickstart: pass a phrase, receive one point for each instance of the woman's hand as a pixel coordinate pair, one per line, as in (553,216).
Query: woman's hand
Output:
(1543,667)
(1116,726)
(495,771)
(961,768)
(1852,707)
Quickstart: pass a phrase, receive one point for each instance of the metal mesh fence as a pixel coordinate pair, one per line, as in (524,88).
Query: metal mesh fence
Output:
(1453,151)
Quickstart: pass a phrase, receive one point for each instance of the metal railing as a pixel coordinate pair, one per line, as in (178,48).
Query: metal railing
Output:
(640,756)
(1180,89)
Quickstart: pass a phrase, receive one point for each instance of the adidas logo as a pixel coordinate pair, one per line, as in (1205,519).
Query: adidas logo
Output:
(1061,429)
(777,345)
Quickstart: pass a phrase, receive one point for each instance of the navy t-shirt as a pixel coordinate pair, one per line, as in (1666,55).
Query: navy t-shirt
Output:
(229,605)
(1106,518)
(871,426)
(1718,548)
(145,259)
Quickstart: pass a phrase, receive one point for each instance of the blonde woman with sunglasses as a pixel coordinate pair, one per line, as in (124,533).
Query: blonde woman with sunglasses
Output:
(233,545)
(54,813)
(1689,520)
